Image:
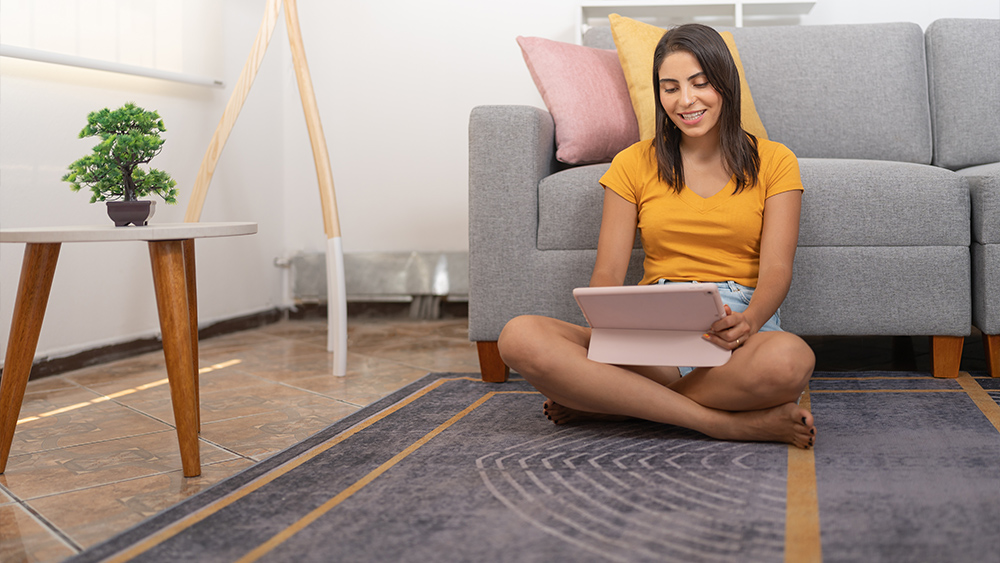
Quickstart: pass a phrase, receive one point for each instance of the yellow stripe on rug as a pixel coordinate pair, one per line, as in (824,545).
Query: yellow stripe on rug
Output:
(802,536)
(982,399)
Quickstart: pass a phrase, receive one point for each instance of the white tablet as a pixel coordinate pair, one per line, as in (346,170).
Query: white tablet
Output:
(653,325)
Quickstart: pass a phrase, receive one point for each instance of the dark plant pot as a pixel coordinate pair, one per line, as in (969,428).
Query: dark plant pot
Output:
(124,213)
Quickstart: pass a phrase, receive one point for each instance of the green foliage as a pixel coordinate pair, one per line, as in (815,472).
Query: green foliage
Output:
(130,136)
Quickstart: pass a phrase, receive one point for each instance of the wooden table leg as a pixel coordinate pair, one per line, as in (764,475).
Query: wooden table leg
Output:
(37,271)
(192,295)
(946,355)
(170,281)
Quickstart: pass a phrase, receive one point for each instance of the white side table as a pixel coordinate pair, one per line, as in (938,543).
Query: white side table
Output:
(171,252)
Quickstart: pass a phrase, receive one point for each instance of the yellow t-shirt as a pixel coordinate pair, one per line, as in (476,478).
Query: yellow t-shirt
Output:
(690,238)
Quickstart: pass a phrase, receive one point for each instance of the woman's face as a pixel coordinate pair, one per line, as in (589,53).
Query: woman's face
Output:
(690,101)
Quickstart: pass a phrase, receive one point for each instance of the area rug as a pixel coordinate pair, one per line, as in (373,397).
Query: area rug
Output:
(906,468)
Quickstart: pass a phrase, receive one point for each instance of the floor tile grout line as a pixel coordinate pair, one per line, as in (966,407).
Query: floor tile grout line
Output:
(52,528)
(130,436)
(10,493)
(394,361)
(318,394)
(79,388)
(297,388)
(173,427)
(64,537)
(404,364)
(261,379)
(61,377)
(227,449)
(130,479)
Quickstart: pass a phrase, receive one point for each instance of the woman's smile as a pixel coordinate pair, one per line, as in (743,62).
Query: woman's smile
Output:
(693,117)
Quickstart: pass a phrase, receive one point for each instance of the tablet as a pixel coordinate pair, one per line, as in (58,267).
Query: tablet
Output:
(653,325)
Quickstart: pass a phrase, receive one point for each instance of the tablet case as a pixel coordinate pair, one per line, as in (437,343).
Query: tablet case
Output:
(653,325)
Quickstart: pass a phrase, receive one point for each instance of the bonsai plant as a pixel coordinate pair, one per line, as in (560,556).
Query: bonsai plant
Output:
(130,136)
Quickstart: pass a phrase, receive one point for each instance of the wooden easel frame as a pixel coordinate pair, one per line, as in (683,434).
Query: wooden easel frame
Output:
(336,289)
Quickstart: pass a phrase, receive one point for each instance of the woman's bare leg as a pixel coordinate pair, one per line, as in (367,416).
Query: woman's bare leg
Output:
(552,356)
(561,414)
(771,369)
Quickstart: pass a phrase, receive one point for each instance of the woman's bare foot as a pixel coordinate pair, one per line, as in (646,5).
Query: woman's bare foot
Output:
(787,423)
(560,414)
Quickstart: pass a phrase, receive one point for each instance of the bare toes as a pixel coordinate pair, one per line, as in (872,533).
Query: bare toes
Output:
(555,412)
(805,429)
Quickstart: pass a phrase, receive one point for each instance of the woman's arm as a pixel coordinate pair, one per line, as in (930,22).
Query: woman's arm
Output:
(779,237)
(778,240)
(614,247)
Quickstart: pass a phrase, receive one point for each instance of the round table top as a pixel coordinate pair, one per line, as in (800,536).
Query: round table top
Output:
(109,232)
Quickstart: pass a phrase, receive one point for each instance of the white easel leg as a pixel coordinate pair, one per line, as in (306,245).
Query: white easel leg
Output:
(336,299)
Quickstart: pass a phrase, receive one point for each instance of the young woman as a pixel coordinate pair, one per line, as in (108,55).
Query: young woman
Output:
(713,205)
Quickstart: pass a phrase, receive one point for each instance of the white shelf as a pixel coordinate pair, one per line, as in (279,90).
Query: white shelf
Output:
(109,66)
(674,12)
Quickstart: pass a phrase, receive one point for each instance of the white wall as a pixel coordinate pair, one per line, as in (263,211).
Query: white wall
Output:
(395,81)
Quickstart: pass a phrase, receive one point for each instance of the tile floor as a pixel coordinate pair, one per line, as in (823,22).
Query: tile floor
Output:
(95,452)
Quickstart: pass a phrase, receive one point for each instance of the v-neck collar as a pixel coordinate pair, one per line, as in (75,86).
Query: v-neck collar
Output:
(705,204)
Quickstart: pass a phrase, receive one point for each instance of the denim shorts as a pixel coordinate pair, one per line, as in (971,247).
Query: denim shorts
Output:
(738,298)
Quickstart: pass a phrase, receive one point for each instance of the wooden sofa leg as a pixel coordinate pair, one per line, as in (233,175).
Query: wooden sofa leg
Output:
(946,355)
(991,344)
(490,364)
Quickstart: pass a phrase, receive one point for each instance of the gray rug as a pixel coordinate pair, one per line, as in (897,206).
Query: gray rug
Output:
(906,468)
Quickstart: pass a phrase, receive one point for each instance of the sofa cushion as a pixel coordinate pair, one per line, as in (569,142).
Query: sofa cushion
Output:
(636,41)
(879,203)
(569,208)
(585,91)
(869,290)
(964,76)
(841,91)
(984,191)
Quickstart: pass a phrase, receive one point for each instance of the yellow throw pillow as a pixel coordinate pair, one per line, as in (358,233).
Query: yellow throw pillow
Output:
(636,41)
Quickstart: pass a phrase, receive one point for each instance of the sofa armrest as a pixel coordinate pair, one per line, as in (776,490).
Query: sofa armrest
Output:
(511,148)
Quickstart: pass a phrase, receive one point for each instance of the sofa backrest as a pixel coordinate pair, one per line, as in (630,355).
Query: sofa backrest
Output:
(836,91)
(841,91)
(963,68)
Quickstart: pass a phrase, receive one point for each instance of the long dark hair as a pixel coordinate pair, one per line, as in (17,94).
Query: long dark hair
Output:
(739,148)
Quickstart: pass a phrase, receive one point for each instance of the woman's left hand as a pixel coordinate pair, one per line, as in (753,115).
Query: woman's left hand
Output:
(731,331)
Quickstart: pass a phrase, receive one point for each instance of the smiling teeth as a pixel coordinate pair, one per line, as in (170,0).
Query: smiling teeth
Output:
(690,116)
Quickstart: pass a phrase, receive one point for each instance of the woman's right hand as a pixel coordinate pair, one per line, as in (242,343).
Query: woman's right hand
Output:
(731,331)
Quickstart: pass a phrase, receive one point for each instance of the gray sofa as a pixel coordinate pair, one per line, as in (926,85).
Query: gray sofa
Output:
(963,73)
(891,127)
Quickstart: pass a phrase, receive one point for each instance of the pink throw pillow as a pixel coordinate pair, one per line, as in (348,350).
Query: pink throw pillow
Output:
(585,91)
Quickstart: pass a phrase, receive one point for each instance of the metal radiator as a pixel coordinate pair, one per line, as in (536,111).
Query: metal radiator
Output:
(422,279)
